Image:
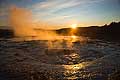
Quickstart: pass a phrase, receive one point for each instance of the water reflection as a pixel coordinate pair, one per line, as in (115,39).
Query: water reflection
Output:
(74,55)
(68,59)
(64,58)
(71,71)
(74,38)
(73,67)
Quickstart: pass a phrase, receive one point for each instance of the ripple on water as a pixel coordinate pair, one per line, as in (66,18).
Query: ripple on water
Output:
(82,61)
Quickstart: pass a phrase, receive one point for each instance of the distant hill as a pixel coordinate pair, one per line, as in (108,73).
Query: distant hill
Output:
(108,32)
(6,33)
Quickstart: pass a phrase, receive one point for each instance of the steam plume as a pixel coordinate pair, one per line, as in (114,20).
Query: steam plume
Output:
(22,24)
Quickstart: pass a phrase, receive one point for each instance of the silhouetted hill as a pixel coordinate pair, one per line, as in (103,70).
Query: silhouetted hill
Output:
(108,32)
(6,33)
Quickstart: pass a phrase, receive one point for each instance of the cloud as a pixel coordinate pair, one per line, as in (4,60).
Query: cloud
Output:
(56,10)
(54,5)
(51,6)
(61,4)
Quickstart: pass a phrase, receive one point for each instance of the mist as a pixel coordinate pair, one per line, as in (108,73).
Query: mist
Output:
(23,26)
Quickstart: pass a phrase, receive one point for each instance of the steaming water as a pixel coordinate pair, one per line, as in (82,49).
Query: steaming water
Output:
(68,58)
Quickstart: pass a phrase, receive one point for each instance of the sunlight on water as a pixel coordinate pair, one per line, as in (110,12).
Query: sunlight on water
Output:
(66,57)
(73,67)
(74,55)
(74,38)
(71,70)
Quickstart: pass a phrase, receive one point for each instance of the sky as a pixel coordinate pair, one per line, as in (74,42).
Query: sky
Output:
(63,13)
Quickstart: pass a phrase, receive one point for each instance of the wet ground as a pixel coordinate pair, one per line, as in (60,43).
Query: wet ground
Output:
(75,58)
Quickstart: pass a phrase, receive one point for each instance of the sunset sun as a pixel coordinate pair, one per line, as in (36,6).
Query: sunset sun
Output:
(73,26)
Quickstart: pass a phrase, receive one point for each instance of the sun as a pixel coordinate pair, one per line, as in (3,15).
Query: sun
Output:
(73,26)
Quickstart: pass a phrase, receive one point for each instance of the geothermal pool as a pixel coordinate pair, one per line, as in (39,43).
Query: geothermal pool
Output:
(66,58)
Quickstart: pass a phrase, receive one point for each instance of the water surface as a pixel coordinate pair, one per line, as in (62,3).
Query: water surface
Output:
(70,57)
